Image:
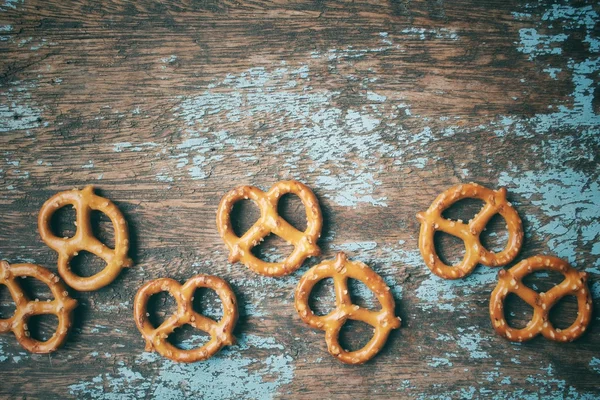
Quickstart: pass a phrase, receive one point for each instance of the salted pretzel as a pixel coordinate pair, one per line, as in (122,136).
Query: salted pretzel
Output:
(432,221)
(341,270)
(61,306)
(305,243)
(84,201)
(156,337)
(510,281)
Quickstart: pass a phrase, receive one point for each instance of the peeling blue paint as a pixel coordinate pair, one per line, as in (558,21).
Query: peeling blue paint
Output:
(169,60)
(439,361)
(122,146)
(17,111)
(3,357)
(89,165)
(553,72)
(536,44)
(471,340)
(595,364)
(563,195)
(595,290)
(356,246)
(230,374)
(6,29)
(6,5)
(436,293)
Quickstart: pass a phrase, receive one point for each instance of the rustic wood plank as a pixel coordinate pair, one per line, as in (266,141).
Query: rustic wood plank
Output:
(377,106)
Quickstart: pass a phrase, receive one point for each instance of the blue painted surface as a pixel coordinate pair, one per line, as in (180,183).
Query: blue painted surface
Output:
(549,180)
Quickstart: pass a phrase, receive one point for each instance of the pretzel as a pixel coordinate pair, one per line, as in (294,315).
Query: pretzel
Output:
(84,201)
(156,337)
(340,270)
(61,306)
(432,221)
(510,281)
(305,243)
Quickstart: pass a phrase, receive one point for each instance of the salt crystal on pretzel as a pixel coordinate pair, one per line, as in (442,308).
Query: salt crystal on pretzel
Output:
(85,201)
(305,243)
(432,221)
(341,270)
(574,284)
(62,306)
(221,332)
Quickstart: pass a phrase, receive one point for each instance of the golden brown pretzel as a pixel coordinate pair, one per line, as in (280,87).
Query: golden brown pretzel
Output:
(156,337)
(305,243)
(432,221)
(340,270)
(61,306)
(84,201)
(510,281)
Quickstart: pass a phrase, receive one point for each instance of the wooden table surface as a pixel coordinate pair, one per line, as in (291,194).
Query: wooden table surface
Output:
(166,105)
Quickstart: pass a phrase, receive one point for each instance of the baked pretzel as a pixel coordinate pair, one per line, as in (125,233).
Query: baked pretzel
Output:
(340,270)
(84,201)
(305,243)
(61,306)
(510,281)
(156,337)
(432,221)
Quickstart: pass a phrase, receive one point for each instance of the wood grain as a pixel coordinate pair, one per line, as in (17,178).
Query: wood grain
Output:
(377,106)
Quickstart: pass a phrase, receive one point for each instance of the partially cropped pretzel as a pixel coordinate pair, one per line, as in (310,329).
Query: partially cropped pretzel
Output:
(432,221)
(305,243)
(61,306)
(156,337)
(85,201)
(510,281)
(341,270)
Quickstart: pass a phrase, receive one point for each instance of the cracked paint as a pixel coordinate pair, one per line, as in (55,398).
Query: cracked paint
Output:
(230,374)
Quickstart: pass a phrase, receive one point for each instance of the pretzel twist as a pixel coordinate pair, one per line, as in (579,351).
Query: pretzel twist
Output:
(156,338)
(510,281)
(305,243)
(61,306)
(432,221)
(84,201)
(341,270)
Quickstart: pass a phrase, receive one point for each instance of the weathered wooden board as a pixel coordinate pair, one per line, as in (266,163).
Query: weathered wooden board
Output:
(377,106)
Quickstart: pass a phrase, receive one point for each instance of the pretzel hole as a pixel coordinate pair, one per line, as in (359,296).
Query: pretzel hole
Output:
(207,302)
(42,326)
(186,337)
(355,335)
(517,312)
(35,289)
(62,222)
(361,295)
(464,209)
(291,208)
(86,264)
(102,228)
(7,304)
(495,235)
(450,249)
(160,307)
(272,249)
(564,313)
(543,281)
(243,215)
(322,298)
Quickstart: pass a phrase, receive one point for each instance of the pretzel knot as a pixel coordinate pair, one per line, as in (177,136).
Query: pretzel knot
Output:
(84,201)
(61,306)
(156,338)
(432,221)
(305,243)
(340,270)
(510,281)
